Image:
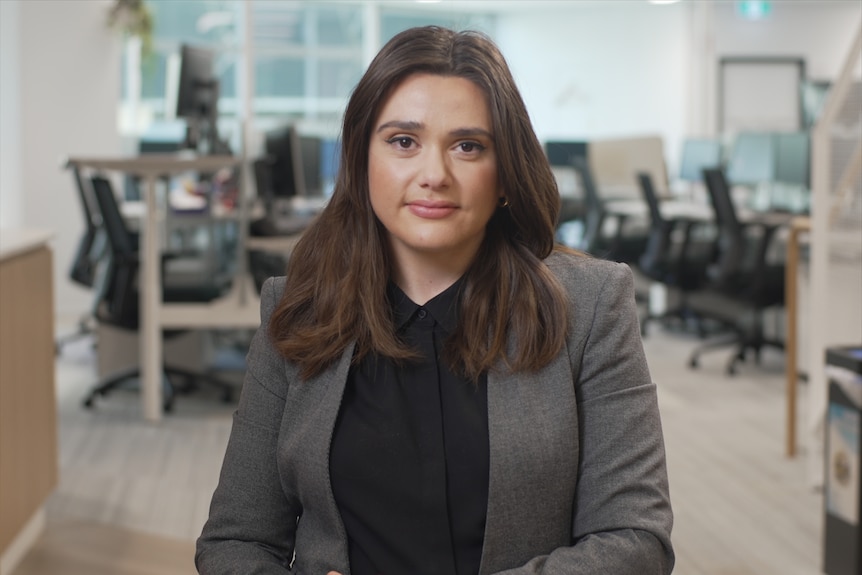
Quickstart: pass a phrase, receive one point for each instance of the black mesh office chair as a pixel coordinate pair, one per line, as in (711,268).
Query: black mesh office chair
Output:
(91,249)
(742,282)
(677,253)
(119,304)
(624,245)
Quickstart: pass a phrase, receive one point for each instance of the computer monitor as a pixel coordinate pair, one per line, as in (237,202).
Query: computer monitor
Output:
(295,164)
(197,82)
(792,158)
(197,97)
(698,154)
(284,153)
(563,154)
(752,159)
(310,157)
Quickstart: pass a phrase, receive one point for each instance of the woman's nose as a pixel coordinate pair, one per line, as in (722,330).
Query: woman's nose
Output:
(435,169)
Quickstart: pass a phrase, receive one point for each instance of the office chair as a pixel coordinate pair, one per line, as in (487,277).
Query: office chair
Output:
(741,283)
(677,253)
(119,304)
(625,245)
(91,249)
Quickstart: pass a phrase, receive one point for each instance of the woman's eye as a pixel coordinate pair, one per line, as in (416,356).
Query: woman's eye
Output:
(401,141)
(469,147)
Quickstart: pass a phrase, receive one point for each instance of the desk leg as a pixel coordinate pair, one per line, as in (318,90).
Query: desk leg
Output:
(150,294)
(791,363)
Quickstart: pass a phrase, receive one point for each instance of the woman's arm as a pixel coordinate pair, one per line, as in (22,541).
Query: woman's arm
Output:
(622,518)
(252,523)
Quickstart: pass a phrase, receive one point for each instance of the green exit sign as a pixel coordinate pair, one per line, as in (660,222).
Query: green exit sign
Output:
(754,10)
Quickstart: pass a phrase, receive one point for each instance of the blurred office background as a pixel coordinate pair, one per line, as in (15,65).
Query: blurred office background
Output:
(636,77)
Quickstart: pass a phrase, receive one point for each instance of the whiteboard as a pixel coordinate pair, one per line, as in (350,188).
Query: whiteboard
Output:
(761,95)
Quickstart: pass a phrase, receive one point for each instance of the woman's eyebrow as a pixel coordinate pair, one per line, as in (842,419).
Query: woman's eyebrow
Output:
(472,133)
(401,125)
(411,126)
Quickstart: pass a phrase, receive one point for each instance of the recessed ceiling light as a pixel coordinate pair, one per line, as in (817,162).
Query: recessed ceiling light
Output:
(663,1)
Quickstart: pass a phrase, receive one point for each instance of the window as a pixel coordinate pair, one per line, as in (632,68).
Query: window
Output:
(393,21)
(305,56)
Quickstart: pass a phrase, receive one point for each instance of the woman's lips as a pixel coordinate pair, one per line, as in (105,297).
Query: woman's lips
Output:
(431,210)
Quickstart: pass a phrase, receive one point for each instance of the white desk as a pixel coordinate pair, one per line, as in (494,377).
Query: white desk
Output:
(239,309)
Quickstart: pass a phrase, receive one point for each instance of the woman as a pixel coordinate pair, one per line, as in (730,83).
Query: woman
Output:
(436,388)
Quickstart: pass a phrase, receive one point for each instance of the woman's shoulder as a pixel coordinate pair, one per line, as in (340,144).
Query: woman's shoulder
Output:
(581,271)
(274,285)
(270,294)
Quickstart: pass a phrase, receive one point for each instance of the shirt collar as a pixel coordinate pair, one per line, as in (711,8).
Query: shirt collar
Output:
(443,307)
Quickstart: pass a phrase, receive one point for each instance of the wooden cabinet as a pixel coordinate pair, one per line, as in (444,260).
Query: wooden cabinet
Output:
(28,413)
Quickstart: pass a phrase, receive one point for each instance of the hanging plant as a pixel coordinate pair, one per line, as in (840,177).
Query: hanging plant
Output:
(133,18)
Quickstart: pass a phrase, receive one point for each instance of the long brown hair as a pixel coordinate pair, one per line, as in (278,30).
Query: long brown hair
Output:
(335,292)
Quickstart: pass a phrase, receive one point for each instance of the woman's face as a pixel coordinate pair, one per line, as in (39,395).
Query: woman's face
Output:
(432,170)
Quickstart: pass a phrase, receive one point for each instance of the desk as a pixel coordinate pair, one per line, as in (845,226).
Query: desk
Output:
(239,309)
(670,209)
(28,409)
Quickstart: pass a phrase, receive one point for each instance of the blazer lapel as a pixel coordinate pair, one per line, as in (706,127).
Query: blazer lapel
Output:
(533,437)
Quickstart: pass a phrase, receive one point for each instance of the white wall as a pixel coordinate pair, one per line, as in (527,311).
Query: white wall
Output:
(593,70)
(604,69)
(69,89)
(10,109)
(820,31)
(599,69)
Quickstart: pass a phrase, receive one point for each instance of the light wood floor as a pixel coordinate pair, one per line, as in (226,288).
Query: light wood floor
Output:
(133,496)
(87,547)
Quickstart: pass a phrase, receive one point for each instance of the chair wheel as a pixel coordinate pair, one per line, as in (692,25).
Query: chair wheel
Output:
(693,363)
(88,403)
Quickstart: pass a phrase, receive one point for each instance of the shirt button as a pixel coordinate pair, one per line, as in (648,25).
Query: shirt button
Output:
(422,313)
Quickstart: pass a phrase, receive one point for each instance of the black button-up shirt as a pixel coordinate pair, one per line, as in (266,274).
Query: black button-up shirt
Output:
(409,455)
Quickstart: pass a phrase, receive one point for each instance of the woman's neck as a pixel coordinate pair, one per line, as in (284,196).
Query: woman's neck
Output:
(422,281)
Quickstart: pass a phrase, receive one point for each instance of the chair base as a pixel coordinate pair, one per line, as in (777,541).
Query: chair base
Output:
(192,381)
(680,317)
(743,346)
(743,322)
(85,329)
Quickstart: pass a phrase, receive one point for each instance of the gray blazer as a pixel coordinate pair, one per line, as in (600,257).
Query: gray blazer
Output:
(577,484)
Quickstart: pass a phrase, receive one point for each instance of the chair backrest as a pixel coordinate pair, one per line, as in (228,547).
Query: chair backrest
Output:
(655,257)
(595,210)
(731,241)
(741,265)
(651,198)
(119,237)
(91,243)
(121,296)
(722,202)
